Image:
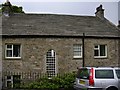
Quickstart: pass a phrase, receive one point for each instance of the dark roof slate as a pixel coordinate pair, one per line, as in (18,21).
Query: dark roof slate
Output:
(53,24)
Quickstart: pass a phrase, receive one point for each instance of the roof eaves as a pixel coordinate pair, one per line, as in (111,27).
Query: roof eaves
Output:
(59,36)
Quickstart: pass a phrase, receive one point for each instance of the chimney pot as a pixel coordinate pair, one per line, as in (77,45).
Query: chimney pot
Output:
(7,0)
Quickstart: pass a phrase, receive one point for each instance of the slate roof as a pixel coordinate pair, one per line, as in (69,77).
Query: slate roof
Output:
(58,25)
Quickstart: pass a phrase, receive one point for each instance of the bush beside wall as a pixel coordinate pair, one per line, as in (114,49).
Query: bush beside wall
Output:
(58,82)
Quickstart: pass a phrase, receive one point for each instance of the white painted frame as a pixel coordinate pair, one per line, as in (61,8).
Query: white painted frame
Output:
(79,51)
(12,57)
(99,51)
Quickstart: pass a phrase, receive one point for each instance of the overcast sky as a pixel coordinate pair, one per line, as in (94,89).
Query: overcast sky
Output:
(71,7)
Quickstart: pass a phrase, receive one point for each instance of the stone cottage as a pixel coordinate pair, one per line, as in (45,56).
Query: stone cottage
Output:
(52,43)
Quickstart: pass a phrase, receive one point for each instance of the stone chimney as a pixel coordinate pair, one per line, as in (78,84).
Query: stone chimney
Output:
(119,24)
(99,12)
(7,9)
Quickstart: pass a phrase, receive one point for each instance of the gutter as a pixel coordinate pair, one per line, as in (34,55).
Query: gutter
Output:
(59,36)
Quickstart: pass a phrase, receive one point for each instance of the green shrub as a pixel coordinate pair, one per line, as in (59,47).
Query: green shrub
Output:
(60,81)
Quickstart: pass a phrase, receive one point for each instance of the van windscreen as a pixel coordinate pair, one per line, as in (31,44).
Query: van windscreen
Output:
(83,73)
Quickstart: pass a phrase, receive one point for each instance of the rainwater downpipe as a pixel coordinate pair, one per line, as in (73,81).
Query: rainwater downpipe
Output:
(83,49)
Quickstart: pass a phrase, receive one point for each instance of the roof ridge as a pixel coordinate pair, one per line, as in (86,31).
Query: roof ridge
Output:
(56,14)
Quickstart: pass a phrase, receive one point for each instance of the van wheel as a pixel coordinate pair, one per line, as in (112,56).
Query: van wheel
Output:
(112,88)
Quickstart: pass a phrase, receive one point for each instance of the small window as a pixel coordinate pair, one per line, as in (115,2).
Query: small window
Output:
(100,51)
(77,51)
(104,74)
(9,81)
(13,81)
(13,51)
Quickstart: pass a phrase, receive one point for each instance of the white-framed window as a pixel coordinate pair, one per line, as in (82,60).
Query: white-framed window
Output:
(51,63)
(100,51)
(77,51)
(9,81)
(12,51)
(13,81)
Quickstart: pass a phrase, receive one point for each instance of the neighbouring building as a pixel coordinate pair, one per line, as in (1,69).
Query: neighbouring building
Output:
(52,43)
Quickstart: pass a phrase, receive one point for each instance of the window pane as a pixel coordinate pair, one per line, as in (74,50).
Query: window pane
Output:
(77,50)
(104,74)
(96,53)
(77,53)
(16,51)
(102,50)
(9,84)
(9,53)
(8,77)
(9,46)
(118,73)
(49,54)
(96,47)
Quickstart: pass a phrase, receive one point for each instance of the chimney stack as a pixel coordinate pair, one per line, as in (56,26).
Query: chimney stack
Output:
(119,24)
(99,12)
(7,8)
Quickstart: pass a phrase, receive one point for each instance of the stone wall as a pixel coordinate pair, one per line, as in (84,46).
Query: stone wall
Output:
(112,52)
(35,49)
